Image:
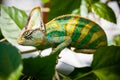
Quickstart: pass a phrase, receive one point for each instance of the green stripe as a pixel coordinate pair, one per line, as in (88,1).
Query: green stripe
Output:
(63,21)
(81,24)
(60,21)
(94,29)
(55,34)
(96,42)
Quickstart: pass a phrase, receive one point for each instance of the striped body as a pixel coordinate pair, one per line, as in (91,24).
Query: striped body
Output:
(85,34)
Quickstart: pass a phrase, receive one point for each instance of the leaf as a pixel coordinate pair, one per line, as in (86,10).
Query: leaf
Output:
(93,1)
(82,74)
(116,40)
(64,77)
(10,62)
(104,11)
(12,20)
(41,68)
(105,66)
(76,11)
(45,1)
(60,7)
(18,16)
(106,63)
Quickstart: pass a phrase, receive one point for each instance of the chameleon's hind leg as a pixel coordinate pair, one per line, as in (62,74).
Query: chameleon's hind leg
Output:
(63,42)
(87,51)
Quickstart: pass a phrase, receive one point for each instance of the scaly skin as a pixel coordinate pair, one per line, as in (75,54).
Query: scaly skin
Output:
(64,31)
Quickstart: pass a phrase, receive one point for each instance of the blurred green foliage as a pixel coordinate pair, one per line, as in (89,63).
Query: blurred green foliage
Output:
(61,7)
(105,64)
(116,40)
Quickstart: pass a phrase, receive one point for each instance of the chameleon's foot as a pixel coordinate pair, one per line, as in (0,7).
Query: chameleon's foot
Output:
(87,51)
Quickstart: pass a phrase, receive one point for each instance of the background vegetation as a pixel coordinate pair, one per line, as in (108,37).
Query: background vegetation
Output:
(105,64)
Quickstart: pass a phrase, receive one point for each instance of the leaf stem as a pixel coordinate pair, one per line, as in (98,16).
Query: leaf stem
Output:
(28,51)
(2,40)
(78,78)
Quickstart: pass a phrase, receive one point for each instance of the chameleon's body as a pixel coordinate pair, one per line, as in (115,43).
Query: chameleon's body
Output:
(66,31)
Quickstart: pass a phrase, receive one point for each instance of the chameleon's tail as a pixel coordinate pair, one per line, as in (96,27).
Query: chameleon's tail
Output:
(87,51)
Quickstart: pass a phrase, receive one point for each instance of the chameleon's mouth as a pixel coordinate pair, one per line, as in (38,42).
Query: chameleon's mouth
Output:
(20,41)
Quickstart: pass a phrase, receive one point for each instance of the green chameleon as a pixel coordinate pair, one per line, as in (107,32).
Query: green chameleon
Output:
(64,31)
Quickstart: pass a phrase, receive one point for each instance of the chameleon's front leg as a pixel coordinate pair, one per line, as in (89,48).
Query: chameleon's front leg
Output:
(62,42)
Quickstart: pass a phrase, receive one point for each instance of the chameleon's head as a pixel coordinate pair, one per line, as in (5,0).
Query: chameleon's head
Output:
(33,33)
(31,38)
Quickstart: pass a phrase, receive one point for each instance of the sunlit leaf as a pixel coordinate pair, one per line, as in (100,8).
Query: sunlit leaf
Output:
(106,63)
(14,14)
(10,62)
(104,11)
(116,40)
(45,1)
(12,20)
(41,68)
(76,11)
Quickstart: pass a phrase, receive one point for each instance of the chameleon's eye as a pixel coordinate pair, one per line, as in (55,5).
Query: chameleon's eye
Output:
(27,35)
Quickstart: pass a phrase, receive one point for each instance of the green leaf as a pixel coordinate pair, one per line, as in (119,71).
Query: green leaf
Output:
(105,66)
(45,1)
(60,7)
(106,63)
(18,16)
(93,1)
(76,11)
(82,74)
(12,20)
(40,68)
(64,77)
(104,11)
(10,62)
(116,40)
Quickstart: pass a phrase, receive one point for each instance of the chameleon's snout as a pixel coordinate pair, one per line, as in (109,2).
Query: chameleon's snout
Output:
(20,41)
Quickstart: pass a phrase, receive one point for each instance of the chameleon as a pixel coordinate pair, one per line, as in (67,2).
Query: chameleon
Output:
(64,31)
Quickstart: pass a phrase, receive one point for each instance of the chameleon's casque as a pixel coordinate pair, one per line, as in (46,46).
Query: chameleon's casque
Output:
(64,31)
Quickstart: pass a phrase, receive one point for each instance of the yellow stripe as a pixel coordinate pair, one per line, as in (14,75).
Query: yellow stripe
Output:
(71,25)
(95,36)
(85,31)
(103,43)
(54,26)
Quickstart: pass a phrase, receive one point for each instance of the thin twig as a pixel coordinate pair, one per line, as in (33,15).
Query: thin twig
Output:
(2,40)
(28,51)
(86,74)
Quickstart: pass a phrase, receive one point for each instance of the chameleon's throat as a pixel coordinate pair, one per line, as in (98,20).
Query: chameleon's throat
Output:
(44,45)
